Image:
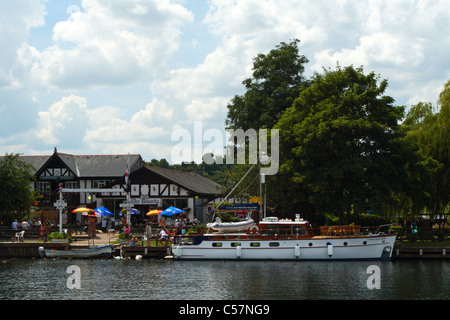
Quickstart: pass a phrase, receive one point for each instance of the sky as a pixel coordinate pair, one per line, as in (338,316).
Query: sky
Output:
(125,76)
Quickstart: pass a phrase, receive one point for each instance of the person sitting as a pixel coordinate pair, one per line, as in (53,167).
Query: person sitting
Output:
(163,237)
(134,240)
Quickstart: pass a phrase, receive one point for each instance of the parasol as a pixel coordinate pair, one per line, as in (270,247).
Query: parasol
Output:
(153,212)
(170,211)
(81,210)
(104,211)
(91,213)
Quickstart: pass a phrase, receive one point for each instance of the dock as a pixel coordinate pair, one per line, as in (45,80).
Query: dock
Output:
(27,249)
(422,253)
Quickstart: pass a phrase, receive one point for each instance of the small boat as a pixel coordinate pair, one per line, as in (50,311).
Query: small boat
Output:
(230,226)
(275,239)
(95,252)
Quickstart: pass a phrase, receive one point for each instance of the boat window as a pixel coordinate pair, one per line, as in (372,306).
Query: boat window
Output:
(235,244)
(185,240)
(255,244)
(271,229)
(298,230)
(217,244)
(274,244)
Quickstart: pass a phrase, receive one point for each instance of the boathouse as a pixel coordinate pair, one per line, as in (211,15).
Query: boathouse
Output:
(151,187)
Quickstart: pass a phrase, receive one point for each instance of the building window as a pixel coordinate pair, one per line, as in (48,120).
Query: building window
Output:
(72,185)
(43,187)
(100,183)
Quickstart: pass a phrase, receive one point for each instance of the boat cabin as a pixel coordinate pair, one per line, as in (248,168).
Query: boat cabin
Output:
(272,226)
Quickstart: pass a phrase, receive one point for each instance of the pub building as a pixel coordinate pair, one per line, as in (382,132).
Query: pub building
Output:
(151,187)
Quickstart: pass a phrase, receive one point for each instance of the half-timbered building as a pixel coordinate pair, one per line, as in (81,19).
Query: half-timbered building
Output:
(151,187)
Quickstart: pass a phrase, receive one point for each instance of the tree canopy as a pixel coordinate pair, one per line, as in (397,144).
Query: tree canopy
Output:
(16,195)
(342,143)
(277,77)
(430,131)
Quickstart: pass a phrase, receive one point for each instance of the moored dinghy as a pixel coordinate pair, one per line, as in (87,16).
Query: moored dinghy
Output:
(230,226)
(95,252)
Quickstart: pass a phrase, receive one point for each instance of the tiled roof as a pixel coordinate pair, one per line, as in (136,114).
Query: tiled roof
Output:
(85,166)
(189,180)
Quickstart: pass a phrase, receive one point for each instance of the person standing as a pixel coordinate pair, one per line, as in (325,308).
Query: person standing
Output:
(126,231)
(148,232)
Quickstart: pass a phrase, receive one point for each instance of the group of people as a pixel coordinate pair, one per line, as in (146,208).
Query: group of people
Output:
(25,224)
(163,236)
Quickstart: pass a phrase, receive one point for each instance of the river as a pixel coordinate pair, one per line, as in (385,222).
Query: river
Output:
(47,279)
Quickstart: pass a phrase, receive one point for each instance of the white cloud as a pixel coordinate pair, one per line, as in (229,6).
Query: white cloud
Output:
(109,43)
(65,122)
(91,76)
(16,20)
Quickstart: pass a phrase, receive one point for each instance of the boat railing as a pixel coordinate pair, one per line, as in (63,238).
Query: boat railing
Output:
(382,227)
(340,230)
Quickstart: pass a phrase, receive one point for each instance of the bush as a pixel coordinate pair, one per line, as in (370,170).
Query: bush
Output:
(57,235)
(367,220)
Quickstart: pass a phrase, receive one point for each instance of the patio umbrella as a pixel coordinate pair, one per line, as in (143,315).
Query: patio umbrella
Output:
(170,211)
(91,214)
(133,211)
(153,212)
(104,211)
(81,210)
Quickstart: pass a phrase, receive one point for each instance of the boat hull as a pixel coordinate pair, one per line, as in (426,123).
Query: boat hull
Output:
(97,252)
(315,248)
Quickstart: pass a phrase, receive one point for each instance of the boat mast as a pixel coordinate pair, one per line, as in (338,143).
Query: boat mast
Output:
(212,219)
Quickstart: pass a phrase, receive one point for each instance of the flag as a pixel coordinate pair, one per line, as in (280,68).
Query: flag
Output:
(127,187)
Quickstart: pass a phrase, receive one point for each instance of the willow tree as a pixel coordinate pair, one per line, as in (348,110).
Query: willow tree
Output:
(430,130)
(342,145)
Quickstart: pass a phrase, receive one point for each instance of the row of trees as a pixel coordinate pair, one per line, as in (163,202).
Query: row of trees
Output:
(345,146)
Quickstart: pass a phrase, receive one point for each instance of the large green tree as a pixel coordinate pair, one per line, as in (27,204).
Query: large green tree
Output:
(275,82)
(342,146)
(16,193)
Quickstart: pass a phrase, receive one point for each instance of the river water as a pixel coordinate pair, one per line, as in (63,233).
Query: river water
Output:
(47,279)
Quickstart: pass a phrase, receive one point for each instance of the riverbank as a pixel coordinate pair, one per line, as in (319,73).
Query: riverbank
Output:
(29,249)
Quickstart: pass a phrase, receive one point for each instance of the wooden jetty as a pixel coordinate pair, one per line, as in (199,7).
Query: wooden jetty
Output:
(28,249)
(421,253)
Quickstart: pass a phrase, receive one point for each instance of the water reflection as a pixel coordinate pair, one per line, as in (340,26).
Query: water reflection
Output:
(218,280)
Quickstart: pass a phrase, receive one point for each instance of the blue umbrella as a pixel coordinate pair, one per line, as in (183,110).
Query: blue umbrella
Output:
(170,211)
(133,211)
(104,211)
